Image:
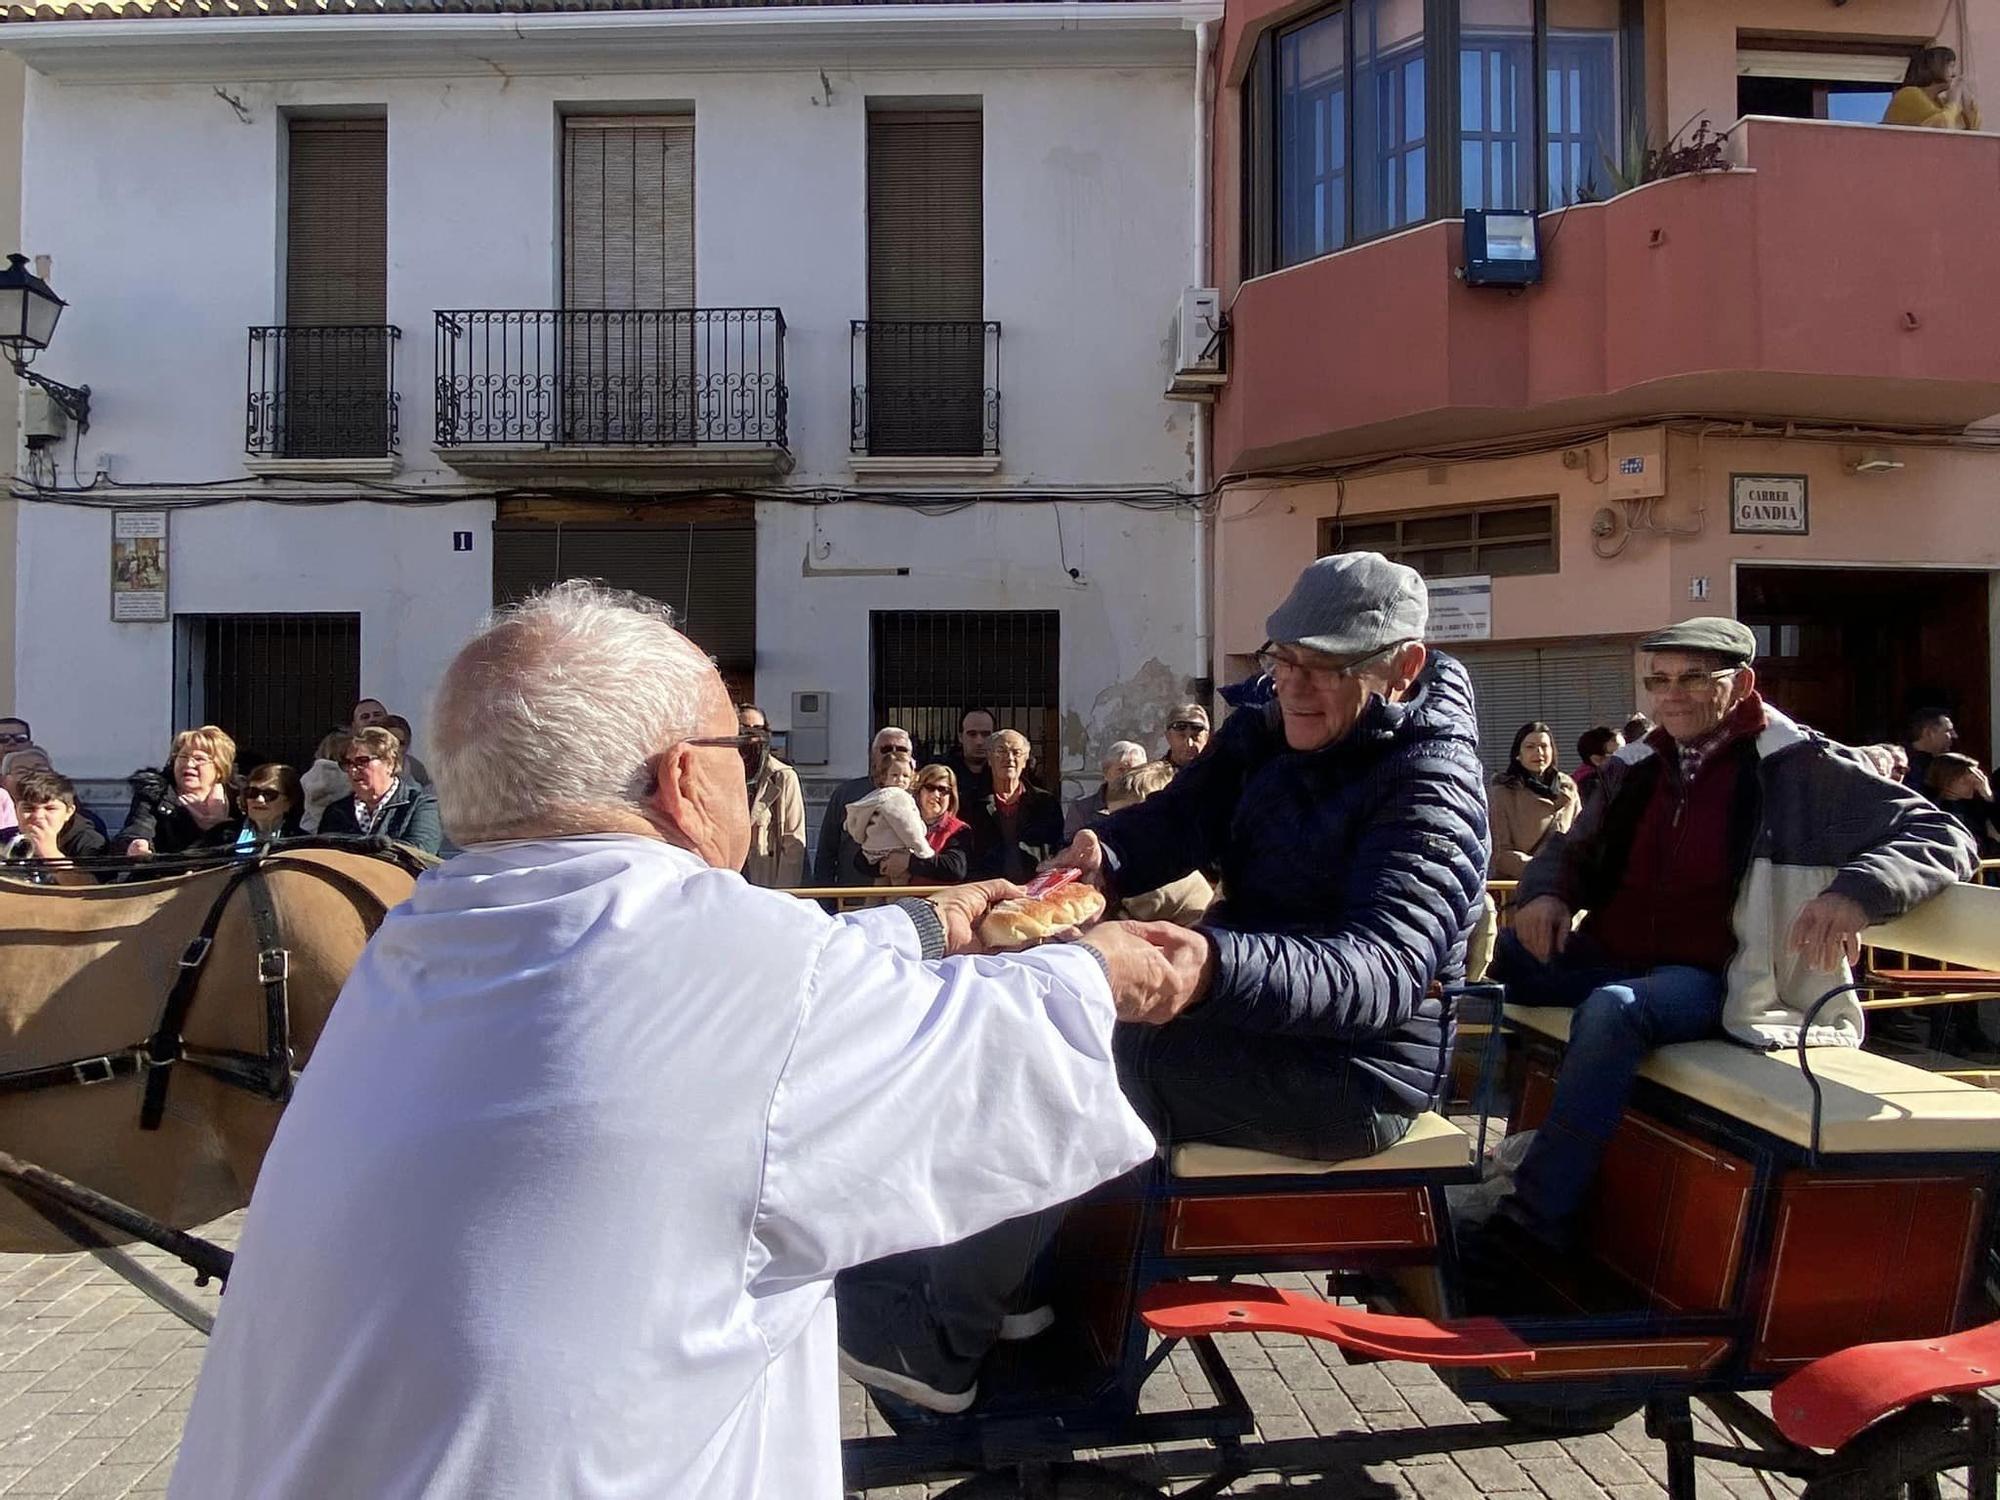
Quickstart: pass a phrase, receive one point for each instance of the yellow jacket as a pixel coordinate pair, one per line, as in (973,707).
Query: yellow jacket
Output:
(1913,106)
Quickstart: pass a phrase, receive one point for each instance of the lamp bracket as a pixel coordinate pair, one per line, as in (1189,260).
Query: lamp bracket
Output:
(74,400)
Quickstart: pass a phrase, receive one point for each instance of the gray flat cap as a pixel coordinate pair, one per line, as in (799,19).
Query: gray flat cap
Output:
(1352,604)
(1711,633)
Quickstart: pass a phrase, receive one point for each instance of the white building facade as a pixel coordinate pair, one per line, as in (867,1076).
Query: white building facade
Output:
(844,329)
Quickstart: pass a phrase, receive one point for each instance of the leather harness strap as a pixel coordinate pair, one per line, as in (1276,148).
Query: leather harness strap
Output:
(269,1075)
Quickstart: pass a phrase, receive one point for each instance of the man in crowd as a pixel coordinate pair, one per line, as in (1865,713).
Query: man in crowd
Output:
(14,732)
(368,712)
(1123,756)
(599,1262)
(1346,811)
(1187,735)
(777,809)
(1931,734)
(835,859)
(969,758)
(1702,870)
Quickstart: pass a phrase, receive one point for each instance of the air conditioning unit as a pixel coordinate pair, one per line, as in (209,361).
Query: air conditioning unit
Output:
(1198,372)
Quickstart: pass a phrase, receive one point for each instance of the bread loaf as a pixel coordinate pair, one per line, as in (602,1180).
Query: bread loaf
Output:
(1034,919)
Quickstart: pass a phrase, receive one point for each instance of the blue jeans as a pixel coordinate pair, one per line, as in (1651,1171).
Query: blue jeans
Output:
(1621,1015)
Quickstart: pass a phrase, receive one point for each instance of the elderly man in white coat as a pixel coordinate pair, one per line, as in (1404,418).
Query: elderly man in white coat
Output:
(559,1203)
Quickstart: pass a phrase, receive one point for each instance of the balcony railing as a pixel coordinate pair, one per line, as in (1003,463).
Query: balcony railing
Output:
(644,378)
(925,389)
(322,392)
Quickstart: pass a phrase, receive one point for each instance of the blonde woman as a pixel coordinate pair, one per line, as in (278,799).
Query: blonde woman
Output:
(192,806)
(383,800)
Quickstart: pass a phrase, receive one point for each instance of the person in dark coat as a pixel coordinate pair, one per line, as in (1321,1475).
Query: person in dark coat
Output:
(191,805)
(385,803)
(1346,811)
(835,855)
(52,831)
(1346,815)
(1016,825)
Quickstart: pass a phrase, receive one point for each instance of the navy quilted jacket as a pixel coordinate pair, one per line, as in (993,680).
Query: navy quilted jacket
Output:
(1351,876)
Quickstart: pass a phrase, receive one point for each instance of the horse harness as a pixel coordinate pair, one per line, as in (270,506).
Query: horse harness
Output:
(269,1075)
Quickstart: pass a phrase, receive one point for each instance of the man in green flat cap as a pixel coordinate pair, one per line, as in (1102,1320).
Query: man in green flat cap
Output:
(1723,876)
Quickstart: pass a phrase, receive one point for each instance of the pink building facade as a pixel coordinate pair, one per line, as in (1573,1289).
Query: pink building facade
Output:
(1760,389)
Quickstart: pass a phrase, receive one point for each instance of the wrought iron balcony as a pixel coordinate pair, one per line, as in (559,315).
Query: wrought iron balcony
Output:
(925,389)
(322,392)
(647,378)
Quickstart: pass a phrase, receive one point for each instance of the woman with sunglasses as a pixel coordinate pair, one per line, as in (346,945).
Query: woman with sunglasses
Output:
(188,807)
(384,802)
(273,802)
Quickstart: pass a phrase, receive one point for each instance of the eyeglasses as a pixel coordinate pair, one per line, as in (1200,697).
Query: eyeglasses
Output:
(195,758)
(261,794)
(1272,658)
(1188,726)
(1686,682)
(753,745)
(358,762)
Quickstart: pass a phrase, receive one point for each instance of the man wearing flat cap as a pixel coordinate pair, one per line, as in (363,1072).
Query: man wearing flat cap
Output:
(1724,876)
(1346,812)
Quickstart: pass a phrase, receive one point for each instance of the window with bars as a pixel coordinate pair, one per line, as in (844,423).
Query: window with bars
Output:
(1501,540)
(278,683)
(929,666)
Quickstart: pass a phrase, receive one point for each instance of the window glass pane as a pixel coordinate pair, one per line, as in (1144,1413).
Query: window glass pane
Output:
(1862,106)
(1528,520)
(1452,562)
(1583,108)
(1312,139)
(1376,536)
(1507,558)
(1496,112)
(1388,126)
(1447,528)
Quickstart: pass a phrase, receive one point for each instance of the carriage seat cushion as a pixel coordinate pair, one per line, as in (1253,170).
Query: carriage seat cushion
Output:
(1872,1103)
(1432,1143)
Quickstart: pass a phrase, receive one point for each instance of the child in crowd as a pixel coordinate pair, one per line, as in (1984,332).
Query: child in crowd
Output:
(886,821)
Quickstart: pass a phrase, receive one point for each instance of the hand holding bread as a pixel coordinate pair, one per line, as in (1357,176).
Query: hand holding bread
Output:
(1036,919)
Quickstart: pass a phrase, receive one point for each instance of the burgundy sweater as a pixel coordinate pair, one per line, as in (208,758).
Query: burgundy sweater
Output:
(1676,895)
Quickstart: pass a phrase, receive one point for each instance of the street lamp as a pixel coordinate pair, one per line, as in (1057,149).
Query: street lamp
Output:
(28,314)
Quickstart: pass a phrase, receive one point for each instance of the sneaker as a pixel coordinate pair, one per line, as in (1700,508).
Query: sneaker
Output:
(1017,1328)
(899,1380)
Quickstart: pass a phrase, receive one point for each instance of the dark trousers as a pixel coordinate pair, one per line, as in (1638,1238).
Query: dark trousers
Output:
(1188,1082)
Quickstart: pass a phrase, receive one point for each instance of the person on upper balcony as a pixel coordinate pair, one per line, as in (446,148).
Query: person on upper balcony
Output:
(1933,94)
(1724,875)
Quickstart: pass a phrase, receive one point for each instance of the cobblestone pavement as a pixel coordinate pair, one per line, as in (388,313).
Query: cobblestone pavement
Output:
(95,1382)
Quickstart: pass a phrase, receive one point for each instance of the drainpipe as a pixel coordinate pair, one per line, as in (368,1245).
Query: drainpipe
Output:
(1204,412)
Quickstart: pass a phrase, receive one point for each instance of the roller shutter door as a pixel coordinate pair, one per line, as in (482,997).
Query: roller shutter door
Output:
(1571,688)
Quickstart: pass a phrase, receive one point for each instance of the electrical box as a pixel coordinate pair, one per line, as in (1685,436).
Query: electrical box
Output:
(806,741)
(1638,464)
(42,421)
(1197,344)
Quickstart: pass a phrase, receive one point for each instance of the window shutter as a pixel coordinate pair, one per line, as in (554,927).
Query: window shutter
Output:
(1569,688)
(337,222)
(926,224)
(707,574)
(628,213)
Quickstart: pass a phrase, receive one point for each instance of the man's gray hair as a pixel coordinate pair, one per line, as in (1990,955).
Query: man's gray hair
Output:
(548,721)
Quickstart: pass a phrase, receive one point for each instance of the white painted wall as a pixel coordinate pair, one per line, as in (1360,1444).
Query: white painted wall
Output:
(160,210)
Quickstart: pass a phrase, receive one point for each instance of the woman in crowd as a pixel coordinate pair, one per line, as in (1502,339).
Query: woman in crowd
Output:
(1528,800)
(382,801)
(188,808)
(1932,94)
(1185,901)
(324,782)
(1957,784)
(52,834)
(273,803)
(1019,825)
(950,836)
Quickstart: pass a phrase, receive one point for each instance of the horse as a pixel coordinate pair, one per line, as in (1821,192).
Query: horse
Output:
(100,1079)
